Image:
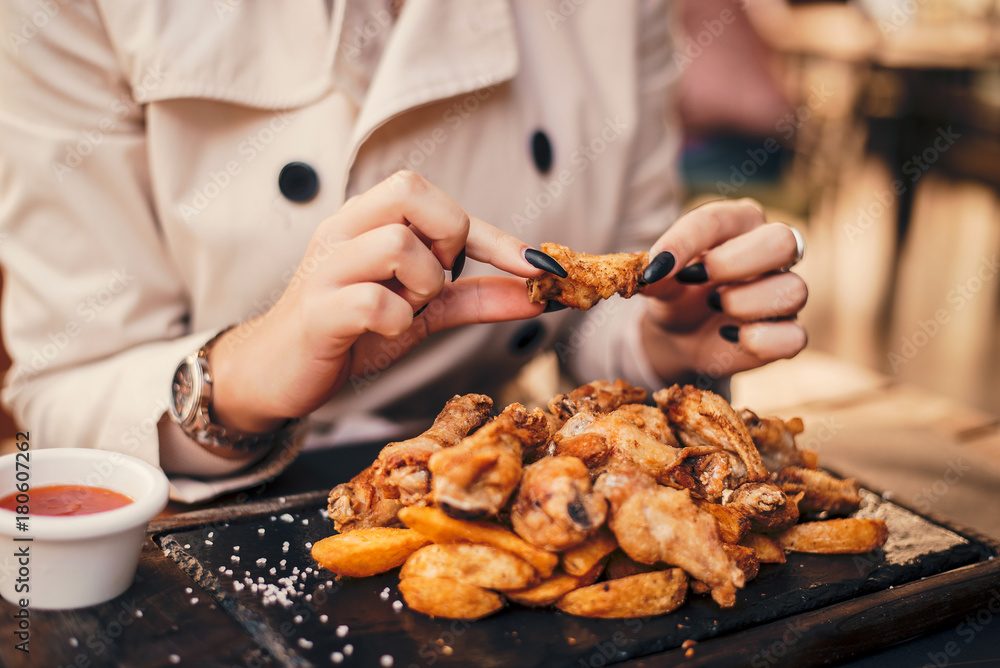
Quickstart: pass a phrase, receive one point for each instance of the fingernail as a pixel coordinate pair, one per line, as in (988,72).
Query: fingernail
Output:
(540,260)
(692,274)
(458,265)
(551,306)
(420,310)
(730,333)
(715,301)
(659,267)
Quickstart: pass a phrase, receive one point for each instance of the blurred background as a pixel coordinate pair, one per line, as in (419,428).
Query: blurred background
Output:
(874,127)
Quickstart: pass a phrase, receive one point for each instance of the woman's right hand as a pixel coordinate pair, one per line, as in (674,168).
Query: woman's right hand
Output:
(367,273)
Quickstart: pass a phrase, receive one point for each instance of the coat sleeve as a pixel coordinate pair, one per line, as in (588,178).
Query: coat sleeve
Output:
(606,344)
(94,314)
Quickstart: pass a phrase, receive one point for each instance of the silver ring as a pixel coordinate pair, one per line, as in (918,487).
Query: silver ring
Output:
(800,249)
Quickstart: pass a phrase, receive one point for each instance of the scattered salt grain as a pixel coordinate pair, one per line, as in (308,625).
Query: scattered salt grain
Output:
(238,586)
(297,619)
(174,658)
(323,618)
(261,531)
(138,614)
(211,534)
(286,518)
(235,558)
(336,657)
(386,661)
(305,644)
(342,630)
(273,571)
(188,590)
(384,595)
(305,522)
(194,599)
(209,543)
(262,561)
(348,650)
(236,548)
(284,547)
(73,642)
(187,546)
(397,605)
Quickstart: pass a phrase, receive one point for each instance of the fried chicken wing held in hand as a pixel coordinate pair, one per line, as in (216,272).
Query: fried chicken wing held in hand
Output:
(599,396)
(660,524)
(555,508)
(476,477)
(591,277)
(702,418)
(399,476)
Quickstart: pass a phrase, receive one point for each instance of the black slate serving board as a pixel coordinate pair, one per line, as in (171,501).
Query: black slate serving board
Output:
(259,570)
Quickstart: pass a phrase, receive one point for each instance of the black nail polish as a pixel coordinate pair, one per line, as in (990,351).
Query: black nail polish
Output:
(730,333)
(715,302)
(420,310)
(693,274)
(458,265)
(551,306)
(659,267)
(537,258)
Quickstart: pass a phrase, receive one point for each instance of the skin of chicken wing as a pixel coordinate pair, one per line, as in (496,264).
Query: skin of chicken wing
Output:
(599,396)
(701,417)
(653,523)
(476,477)
(765,505)
(821,491)
(590,277)
(399,475)
(775,440)
(555,508)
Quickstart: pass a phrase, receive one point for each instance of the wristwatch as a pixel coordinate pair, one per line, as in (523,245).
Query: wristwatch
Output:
(191,408)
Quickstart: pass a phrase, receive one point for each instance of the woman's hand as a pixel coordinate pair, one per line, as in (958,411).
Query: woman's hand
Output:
(721,302)
(370,286)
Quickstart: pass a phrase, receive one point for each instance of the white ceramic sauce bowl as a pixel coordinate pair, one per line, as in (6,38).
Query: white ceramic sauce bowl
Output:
(80,560)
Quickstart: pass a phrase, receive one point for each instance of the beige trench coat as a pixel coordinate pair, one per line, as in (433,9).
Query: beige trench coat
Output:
(141,212)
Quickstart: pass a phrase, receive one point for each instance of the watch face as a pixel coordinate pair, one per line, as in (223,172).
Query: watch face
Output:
(183,395)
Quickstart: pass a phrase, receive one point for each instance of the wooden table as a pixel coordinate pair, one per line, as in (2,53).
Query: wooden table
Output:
(891,437)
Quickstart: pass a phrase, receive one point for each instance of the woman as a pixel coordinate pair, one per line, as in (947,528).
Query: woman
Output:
(310,173)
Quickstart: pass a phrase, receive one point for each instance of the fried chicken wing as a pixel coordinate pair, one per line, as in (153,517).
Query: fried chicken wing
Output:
(765,505)
(701,417)
(821,491)
(599,396)
(775,441)
(555,508)
(654,524)
(590,277)
(399,476)
(476,477)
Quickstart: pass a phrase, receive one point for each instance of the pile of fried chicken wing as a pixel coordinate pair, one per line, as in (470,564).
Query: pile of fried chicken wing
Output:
(688,483)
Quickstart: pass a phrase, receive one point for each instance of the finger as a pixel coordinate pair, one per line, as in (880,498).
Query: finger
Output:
(492,245)
(773,296)
(761,250)
(699,230)
(769,341)
(406,198)
(385,253)
(477,300)
(341,316)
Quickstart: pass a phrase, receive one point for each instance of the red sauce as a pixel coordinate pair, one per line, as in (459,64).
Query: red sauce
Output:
(66,500)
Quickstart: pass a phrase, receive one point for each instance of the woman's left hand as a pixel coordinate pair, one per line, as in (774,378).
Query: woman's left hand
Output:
(721,297)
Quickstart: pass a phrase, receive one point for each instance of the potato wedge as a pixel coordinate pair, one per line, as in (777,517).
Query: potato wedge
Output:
(768,551)
(441,597)
(551,589)
(481,565)
(440,528)
(582,558)
(638,595)
(851,535)
(369,551)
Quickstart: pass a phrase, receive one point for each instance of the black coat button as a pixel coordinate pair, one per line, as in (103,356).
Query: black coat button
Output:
(527,338)
(541,151)
(298,182)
